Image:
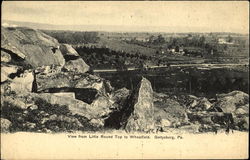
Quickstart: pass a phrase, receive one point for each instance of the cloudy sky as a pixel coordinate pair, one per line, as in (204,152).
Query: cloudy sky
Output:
(213,16)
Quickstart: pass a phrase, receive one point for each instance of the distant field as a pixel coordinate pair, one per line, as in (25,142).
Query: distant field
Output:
(123,46)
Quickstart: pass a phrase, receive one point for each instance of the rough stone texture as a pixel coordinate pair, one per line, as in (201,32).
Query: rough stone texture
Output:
(67,49)
(228,103)
(5,88)
(142,116)
(18,102)
(169,109)
(74,62)
(6,70)
(34,46)
(119,97)
(5,57)
(203,104)
(23,83)
(77,65)
(68,80)
(65,94)
(5,125)
(98,109)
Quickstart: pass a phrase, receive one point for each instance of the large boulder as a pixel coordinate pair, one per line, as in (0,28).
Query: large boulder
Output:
(168,110)
(77,65)
(23,83)
(141,117)
(99,109)
(34,46)
(32,111)
(74,62)
(68,50)
(229,102)
(68,80)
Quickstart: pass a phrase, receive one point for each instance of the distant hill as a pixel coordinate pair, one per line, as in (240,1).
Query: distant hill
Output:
(109,28)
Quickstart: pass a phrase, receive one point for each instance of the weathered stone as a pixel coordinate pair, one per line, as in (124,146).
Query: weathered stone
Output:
(33,107)
(6,71)
(23,83)
(35,47)
(5,88)
(203,104)
(68,80)
(77,65)
(67,49)
(99,109)
(65,94)
(163,125)
(16,102)
(170,109)
(228,103)
(62,123)
(96,122)
(5,125)
(119,98)
(241,111)
(5,57)
(48,70)
(142,116)
(242,123)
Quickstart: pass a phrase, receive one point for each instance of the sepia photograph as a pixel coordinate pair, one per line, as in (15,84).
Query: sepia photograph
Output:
(124,79)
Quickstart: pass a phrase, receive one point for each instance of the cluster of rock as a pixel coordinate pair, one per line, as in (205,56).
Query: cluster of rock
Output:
(46,87)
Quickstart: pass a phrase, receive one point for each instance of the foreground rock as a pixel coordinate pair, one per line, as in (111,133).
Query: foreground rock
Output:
(7,70)
(68,50)
(23,83)
(228,103)
(5,125)
(74,62)
(33,46)
(77,65)
(65,80)
(5,57)
(168,112)
(141,108)
(47,112)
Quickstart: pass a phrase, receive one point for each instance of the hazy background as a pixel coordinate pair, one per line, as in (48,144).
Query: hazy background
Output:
(157,16)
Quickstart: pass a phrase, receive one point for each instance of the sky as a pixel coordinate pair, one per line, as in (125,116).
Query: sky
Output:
(220,16)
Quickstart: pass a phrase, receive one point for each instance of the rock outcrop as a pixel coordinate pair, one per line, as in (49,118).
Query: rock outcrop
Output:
(74,62)
(33,46)
(168,112)
(141,117)
(68,50)
(23,83)
(77,65)
(68,80)
(228,103)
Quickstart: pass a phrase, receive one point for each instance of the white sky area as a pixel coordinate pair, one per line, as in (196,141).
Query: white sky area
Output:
(220,16)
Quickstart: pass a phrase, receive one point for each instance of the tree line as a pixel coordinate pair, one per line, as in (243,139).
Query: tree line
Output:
(74,37)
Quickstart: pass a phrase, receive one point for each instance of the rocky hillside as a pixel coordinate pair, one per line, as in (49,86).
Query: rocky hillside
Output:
(46,87)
